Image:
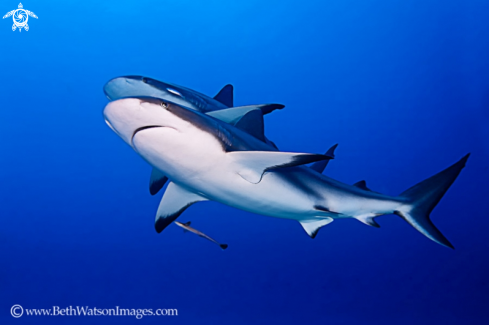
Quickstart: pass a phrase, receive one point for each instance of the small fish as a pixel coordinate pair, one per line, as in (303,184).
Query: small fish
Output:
(186,227)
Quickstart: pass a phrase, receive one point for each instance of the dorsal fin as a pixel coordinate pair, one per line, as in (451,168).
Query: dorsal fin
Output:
(187,223)
(225,96)
(362,185)
(268,141)
(252,123)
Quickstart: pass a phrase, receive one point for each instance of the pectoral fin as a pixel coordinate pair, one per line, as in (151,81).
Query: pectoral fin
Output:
(157,181)
(234,114)
(252,123)
(251,165)
(174,202)
(248,119)
(312,226)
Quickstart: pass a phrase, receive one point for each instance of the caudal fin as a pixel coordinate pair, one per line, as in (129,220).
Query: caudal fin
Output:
(424,196)
(223,246)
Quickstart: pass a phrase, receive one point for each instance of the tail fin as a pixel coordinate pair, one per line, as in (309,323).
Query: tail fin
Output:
(424,196)
(223,246)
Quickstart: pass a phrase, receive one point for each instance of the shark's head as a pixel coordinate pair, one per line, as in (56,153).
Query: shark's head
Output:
(128,116)
(139,86)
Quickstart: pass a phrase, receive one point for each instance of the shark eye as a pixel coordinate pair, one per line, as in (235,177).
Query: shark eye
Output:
(145,80)
(164,105)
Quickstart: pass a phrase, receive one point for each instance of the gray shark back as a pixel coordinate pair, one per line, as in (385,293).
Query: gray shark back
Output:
(136,86)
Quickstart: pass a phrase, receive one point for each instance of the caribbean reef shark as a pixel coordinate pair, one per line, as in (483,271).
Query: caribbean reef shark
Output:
(139,86)
(207,159)
(186,227)
(136,86)
(132,86)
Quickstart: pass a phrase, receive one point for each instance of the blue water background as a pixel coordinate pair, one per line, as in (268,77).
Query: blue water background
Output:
(402,86)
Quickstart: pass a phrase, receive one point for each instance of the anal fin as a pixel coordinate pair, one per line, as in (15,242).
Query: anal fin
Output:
(368,220)
(312,226)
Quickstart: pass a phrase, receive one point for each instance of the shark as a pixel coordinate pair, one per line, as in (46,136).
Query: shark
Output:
(186,227)
(129,86)
(140,86)
(208,159)
(134,86)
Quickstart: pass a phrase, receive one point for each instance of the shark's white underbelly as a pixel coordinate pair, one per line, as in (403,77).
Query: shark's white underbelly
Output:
(272,196)
(198,163)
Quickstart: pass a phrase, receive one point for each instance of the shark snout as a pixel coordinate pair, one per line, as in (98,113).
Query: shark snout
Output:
(110,125)
(123,118)
(121,86)
(112,88)
(128,116)
(106,92)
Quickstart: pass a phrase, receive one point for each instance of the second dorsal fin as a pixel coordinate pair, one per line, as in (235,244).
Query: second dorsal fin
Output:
(363,185)
(320,165)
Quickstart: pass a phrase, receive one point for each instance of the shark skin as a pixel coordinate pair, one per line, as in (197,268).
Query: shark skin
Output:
(139,86)
(207,159)
(136,86)
(133,86)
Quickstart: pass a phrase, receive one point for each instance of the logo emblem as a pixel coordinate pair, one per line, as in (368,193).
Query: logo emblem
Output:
(20,17)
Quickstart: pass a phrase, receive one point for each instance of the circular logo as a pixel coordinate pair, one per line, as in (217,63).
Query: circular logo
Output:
(16,311)
(20,18)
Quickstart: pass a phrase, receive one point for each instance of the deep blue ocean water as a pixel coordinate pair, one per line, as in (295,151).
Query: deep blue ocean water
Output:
(402,86)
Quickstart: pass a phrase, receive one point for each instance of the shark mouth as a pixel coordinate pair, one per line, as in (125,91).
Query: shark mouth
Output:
(145,128)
